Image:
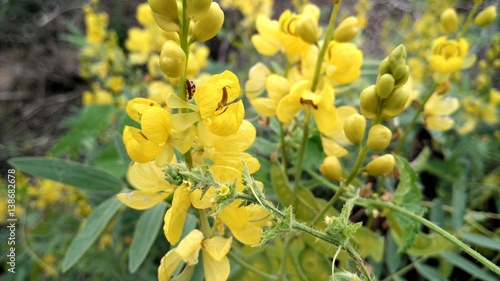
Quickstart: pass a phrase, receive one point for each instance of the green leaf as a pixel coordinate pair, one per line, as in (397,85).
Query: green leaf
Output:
(314,154)
(90,124)
(481,240)
(145,234)
(408,196)
(467,266)
(68,172)
(90,230)
(430,273)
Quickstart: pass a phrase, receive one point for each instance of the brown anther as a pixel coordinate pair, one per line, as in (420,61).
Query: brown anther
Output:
(309,102)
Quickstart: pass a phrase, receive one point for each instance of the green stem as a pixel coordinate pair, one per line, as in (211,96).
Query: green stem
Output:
(357,165)
(183,38)
(283,147)
(302,152)
(415,118)
(468,22)
(326,42)
(249,267)
(205,226)
(284,258)
(477,256)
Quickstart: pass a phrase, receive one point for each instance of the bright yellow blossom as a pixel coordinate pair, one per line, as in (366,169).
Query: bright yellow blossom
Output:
(343,62)
(213,249)
(267,41)
(448,56)
(319,104)
(437,111)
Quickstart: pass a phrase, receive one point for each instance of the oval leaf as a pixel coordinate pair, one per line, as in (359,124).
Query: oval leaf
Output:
(145,233)
(91,229)
(68,172)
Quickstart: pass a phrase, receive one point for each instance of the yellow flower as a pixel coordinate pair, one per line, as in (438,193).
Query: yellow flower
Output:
(217,106)
(158,91)
(289,33)
(214,251)
(437,109)
(267,41)
(448,56)
(228,150)
(277,87)
(152,188)
(256,83)
(319,104)
(96,24)
(343,62)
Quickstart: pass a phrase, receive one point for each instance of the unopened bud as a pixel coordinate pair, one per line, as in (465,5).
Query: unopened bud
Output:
(346,30)
(486,17)
(172,59)
(331,169)
(166,14)
(385,85)
(449,20)
(197,9)
(402,80)
(307,29)
(395,103)
(379,137)
(369,102)
(210,25)
(354,128)
(381,166)
(397,62)
(384,67)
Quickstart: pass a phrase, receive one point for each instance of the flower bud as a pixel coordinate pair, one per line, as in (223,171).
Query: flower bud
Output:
(381,166)
(486,17)
(210,25)
(449,20)
(369,102)
(397,62)
(354,128)
(165,14)
(379,137)
(346,30)
(307,29)
(197,9)
(402,80)
(395,103)
(385,85)
(384,67)
(172,59)
(331,169)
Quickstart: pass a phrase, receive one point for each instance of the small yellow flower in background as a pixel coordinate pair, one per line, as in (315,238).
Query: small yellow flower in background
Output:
(343,62)
(292,38)
(448,55)
(116,83)
(437,109)
(214,250)
(256,83)
(158,91)
(250,9)
(96,24)
(277,87)
(267,41)
(152,188)
(319,104)
(477,110)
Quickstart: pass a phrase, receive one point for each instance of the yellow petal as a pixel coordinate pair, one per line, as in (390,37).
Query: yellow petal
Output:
(190,247)
(217,247)
(233,216)
(168,265)
(439,123)
(265,106)
(264,47)
(155,124)
(176,215)
(441,105)
(332,148)
(142,200)
(138,147)
(215,270)
(182,141)
(290,104)
(325,119)
(243,139)
(249,234)
(228,122)
(174,101)
(182,121)
(204,202)
(226,174)
(258,215)
(137,106)
(148,177)
(236,160)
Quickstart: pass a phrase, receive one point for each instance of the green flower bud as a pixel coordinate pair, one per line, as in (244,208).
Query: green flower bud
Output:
(307,29)
(165,14)
(381,166)
(346,30)
(331,169)
(397,62)
(401,81)
(369,102)
(354,128)
(384,67)
(379,137)
(197,9)
(449,20)
(385,85)
(210,25)
(172,59)
(486,17)
(395,103)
